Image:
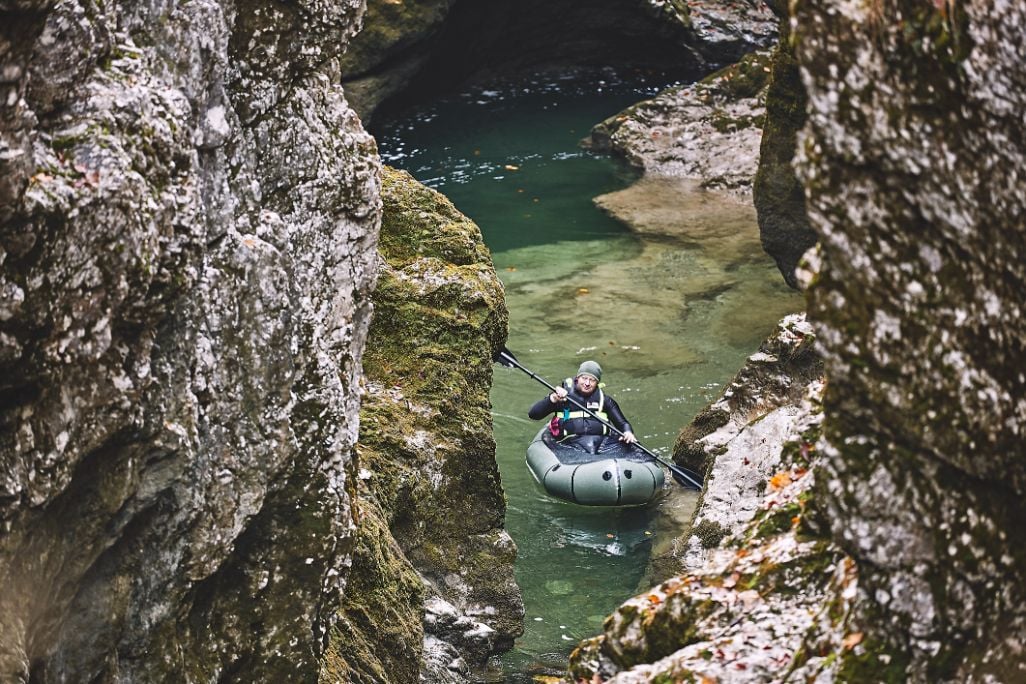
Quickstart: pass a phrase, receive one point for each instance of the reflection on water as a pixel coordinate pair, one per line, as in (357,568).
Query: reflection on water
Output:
(670,310)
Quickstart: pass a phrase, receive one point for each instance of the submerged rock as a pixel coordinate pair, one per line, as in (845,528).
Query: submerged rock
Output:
(888,545)
(433,564)
(188,215)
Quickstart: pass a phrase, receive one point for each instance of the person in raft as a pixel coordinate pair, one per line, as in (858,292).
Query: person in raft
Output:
(576,426)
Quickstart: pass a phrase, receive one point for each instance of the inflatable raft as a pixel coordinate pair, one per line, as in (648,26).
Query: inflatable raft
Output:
(617,475)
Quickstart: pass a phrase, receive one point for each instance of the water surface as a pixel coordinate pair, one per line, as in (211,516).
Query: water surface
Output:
(670,310)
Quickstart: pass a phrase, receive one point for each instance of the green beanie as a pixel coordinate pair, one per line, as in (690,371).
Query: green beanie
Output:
(590,368)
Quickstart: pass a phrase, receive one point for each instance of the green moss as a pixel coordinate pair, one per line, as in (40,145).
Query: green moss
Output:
(710,533)
(872,661)
(742,80)
(425,430)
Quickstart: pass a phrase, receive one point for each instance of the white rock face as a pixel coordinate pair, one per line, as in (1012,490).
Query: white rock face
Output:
(188,220)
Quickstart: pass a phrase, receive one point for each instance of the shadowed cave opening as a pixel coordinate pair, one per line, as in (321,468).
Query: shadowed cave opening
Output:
(486,39)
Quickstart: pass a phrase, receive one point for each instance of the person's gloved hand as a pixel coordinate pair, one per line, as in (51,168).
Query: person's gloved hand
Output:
(628,438)
(559,396)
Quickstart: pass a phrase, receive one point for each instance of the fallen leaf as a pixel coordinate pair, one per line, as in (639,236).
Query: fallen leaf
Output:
(611,536)
(852,640)
(511,167)
(780,480)
(511,269)
(654,599)
(582,290)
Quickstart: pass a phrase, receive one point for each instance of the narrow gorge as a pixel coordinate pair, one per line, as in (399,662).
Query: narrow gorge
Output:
(248,413)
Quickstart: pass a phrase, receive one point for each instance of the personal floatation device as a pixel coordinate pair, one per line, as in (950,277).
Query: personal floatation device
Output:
(561,426)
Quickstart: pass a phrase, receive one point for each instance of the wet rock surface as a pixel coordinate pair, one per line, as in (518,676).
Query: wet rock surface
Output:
(188,215)
(434,565)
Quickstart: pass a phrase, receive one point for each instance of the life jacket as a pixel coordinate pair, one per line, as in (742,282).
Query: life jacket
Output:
(574,421)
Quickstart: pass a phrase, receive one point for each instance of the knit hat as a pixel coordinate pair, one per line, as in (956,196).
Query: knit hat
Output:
(590,368)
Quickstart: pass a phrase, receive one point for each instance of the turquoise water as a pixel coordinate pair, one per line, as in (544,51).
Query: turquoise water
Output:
(670,314)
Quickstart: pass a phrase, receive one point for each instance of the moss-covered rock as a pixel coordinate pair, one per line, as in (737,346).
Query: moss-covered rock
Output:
(779,197)
(434,567)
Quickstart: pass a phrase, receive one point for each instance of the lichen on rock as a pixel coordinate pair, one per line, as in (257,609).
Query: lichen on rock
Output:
(429,480)
(912,161)
(189,213)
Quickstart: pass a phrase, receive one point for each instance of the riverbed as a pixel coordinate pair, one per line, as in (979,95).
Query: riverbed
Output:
(665,285)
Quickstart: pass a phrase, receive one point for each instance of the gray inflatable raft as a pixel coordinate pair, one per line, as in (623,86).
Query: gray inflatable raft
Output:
(617,475)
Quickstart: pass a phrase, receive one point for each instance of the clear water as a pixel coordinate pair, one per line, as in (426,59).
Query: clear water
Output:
(669,314)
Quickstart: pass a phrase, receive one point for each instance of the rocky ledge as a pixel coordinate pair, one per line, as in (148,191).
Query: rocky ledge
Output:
(709,131)
(760,592)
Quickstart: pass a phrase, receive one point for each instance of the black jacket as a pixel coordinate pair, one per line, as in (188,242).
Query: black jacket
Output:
(581,426)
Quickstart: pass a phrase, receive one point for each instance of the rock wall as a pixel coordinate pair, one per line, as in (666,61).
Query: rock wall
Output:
(188,218)
(779,196)
(913,161)
(433,594)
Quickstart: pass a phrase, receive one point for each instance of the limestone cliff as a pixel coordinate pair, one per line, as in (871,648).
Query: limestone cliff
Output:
(433,591)
(913,162)
(188,218)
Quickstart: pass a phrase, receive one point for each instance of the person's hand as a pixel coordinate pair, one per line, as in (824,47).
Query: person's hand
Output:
(628,438)
(559,396)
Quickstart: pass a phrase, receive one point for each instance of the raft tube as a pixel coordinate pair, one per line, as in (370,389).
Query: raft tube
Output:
(618,475)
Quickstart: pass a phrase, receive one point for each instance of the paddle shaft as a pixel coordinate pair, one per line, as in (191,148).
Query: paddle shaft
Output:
(679,475)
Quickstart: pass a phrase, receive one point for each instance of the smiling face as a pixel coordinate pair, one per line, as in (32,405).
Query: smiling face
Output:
(586,384)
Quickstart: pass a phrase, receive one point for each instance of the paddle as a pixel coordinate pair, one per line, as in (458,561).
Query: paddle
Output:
(682,476)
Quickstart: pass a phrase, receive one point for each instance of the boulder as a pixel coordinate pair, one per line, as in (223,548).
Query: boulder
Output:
(433,564)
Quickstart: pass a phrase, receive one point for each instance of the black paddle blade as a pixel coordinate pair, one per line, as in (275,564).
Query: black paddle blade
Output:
(686,478)
(504,357)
